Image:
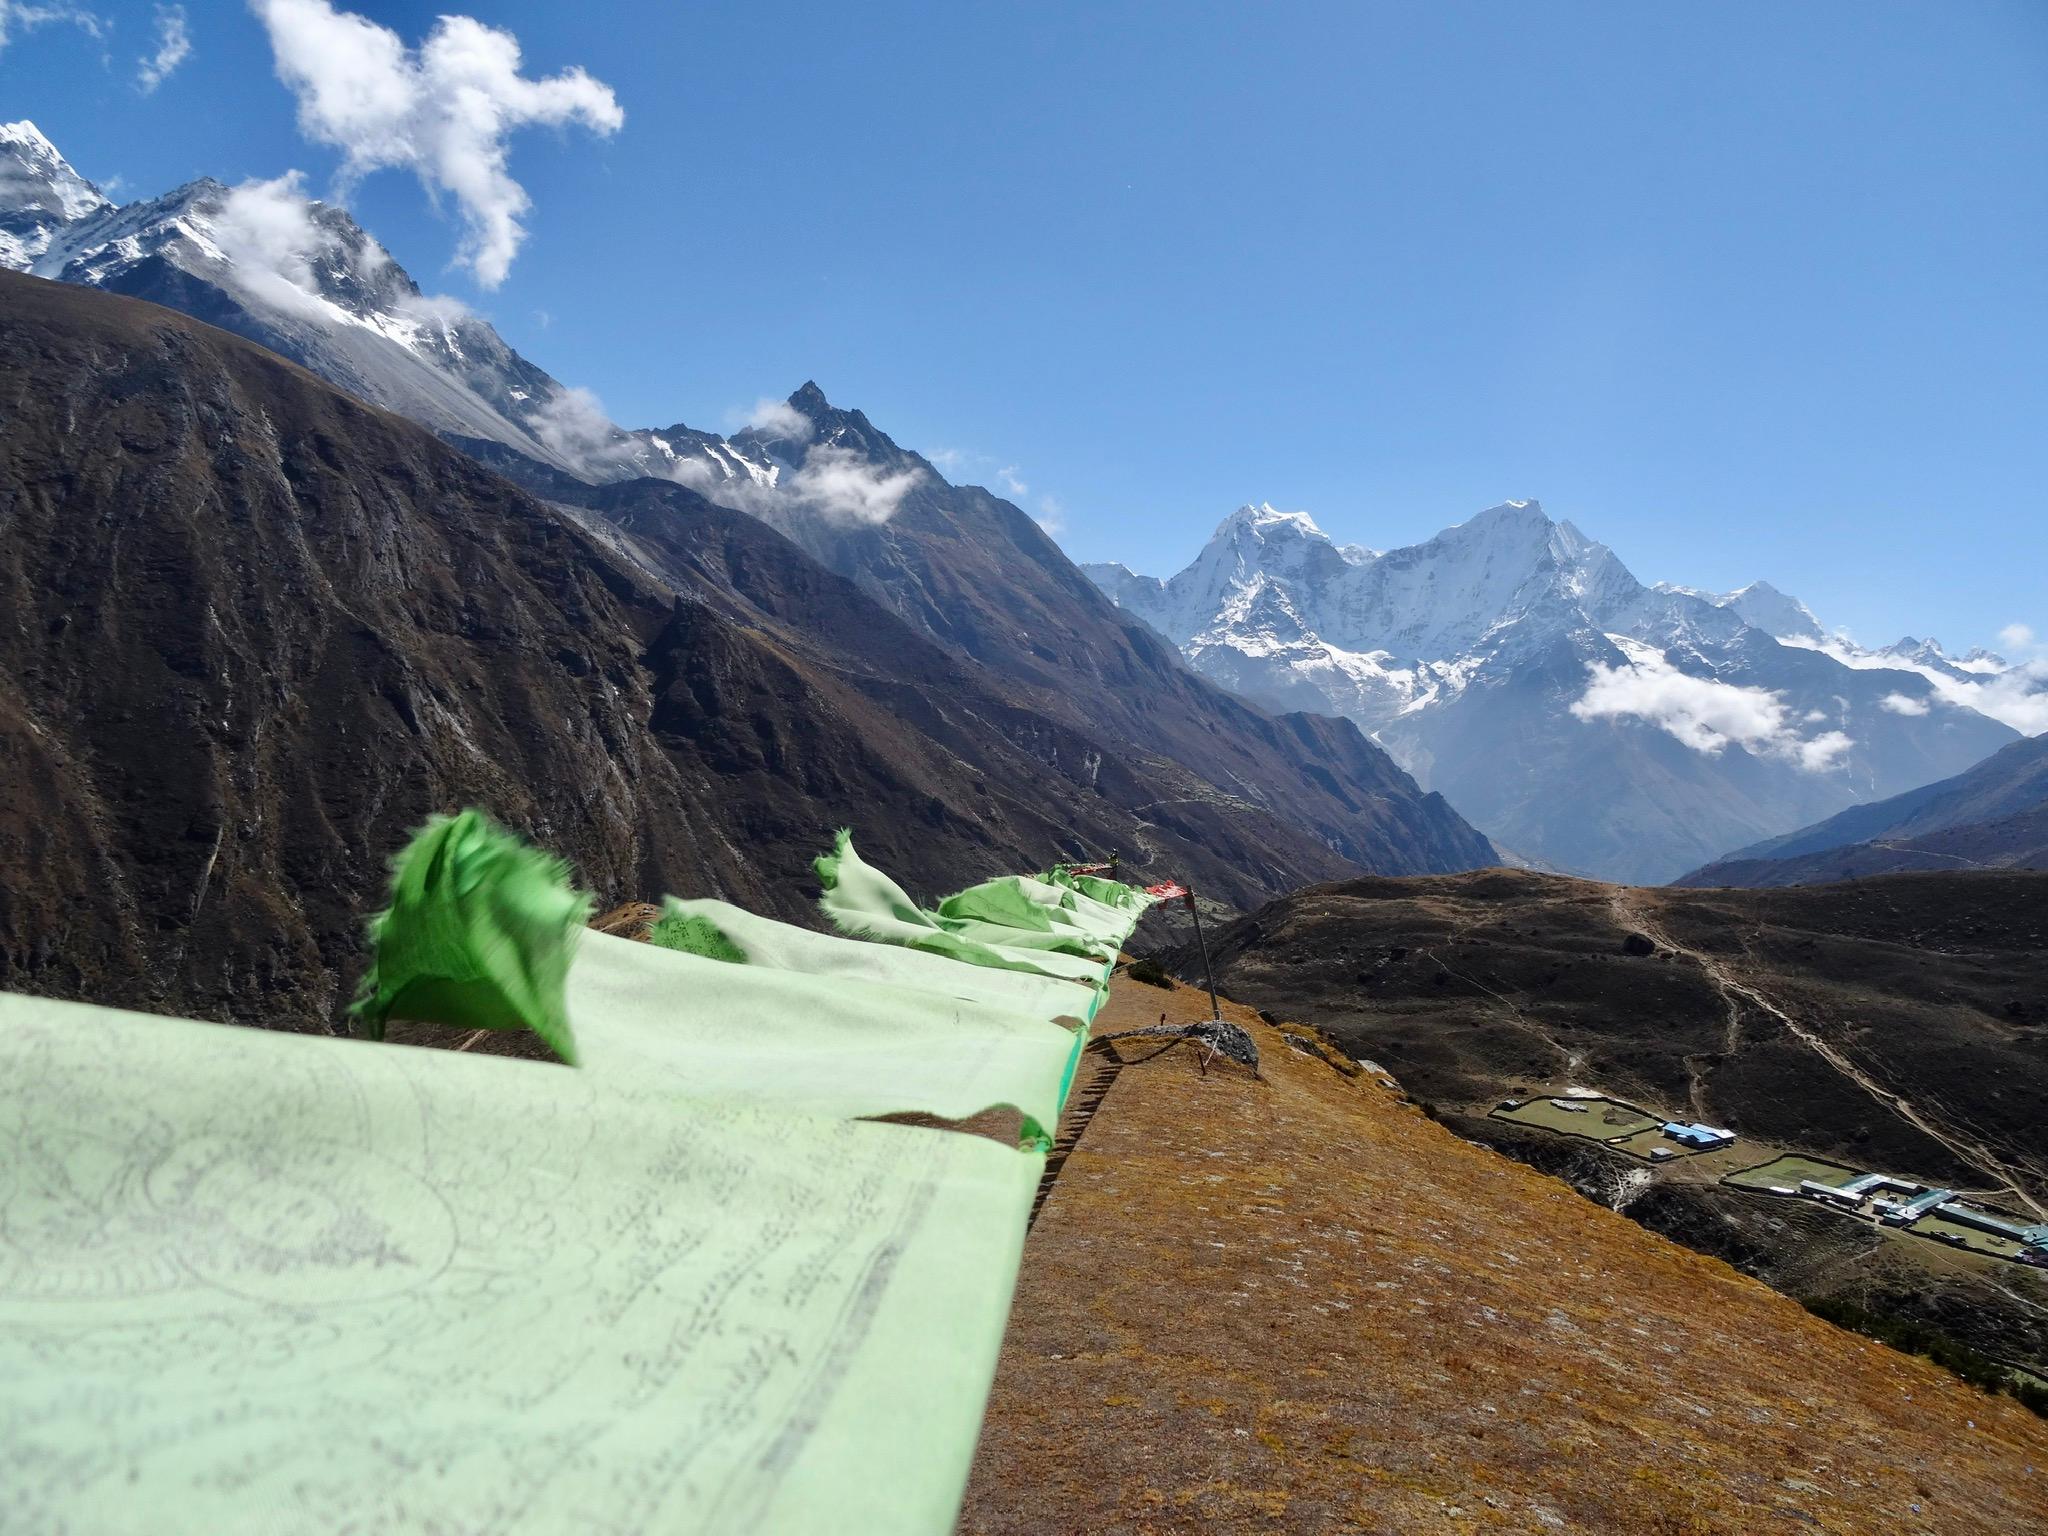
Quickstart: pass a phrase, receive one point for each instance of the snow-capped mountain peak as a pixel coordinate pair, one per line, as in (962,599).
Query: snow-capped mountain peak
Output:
(32,171)
(1759,605)
(296,275)
(39,194)
(1256,518)
(1516,664)
(1524,512)
(303,278)
(1764,607)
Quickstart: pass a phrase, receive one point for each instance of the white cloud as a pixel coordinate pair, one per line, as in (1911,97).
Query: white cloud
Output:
(1706,714)
(173,47)
(1823,752)
(2017,637)
(843,486)
(270,231)
(574,425)
(267,229)
(443,111)
(16,17)
(778,418)
(1903,704)
(1006,479)
(441,308)
(834,483)
(837,484)
(2016,696)
(1051,515)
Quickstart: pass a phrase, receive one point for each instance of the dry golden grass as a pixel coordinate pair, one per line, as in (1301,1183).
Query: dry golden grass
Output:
(1298,1305)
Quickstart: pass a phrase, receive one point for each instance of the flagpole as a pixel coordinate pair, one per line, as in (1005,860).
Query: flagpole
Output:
(1215,1011)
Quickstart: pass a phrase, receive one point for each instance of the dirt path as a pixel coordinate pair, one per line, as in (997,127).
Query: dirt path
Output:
(1630,914)
(1928,853)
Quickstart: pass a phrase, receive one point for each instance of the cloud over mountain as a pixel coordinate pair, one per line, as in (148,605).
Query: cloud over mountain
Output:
(1706,714)
(2016,695)
(841,484)
(267,229)
(778,418)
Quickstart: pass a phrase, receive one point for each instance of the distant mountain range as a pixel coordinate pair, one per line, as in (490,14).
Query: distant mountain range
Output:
(1512,665)
(1590,723)
(1994,816)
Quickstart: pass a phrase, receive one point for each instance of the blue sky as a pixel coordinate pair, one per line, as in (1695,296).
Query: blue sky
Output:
(1743,290)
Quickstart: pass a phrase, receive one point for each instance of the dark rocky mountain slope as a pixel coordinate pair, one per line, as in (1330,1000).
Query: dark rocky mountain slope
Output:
(1238,850)
(978,589)
(1063,788)
(977,575)
(1992,816)
(255,631)
(252,631)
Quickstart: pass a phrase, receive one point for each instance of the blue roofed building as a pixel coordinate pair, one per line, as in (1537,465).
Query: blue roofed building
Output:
(1701,1138)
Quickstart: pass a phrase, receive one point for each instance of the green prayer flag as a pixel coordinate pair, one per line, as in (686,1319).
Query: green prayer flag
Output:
(256,1280)
(865,903)
(480,932)
(783,946)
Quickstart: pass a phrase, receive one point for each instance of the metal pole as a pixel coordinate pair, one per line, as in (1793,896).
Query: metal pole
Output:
(1215,1011)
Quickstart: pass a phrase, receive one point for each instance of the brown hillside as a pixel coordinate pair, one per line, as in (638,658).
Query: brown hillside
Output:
(1789,1015)
(1896,1025)
(1299,1305)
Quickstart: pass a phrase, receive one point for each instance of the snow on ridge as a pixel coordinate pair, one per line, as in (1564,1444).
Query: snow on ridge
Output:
(26,134)
(1390,639)
(40,195)
(1263,515)
(2013,695)
(41,163)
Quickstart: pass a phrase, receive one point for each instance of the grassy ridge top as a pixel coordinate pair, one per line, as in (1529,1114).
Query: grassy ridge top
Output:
(1298,1304)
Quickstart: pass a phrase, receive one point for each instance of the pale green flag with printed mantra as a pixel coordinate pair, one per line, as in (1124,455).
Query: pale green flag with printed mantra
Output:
(255,1280)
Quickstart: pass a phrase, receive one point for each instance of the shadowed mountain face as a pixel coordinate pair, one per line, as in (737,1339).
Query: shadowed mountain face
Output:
(970,579)
(1057,784)
(977,574)
(1994,816)
(255,631)
(1897,1025)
